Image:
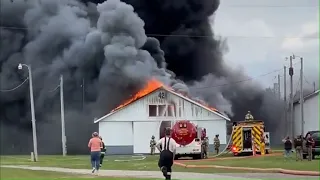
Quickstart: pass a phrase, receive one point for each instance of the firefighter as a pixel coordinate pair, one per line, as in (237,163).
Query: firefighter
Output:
(152,145)
(249,116)
(216,143)
(167,148)
(205,147)
(298,147)
(103,151)
(262,144)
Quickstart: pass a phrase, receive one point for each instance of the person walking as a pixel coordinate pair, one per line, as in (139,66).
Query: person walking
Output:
(205,147)
(95,145)
(216,143)
(309,145)
(287,146)
(103,151)
(167,149)
(298,147)
(152,145)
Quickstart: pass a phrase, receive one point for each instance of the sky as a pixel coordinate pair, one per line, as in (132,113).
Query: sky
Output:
(261,33)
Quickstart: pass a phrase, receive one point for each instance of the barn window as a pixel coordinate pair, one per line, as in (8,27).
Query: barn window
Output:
(152,110)
(170,110)
(162,110)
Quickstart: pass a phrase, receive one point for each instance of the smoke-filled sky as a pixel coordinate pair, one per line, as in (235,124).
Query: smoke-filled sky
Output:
(112,48)
(270,30)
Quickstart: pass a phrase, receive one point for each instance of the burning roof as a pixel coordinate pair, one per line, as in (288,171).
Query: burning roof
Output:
(150,87)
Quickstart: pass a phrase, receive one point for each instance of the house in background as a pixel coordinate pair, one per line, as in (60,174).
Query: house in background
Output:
(128,128)
(311,113)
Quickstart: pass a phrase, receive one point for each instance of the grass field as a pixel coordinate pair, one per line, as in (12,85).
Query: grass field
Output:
(110,163)
(263,162)
(148,164)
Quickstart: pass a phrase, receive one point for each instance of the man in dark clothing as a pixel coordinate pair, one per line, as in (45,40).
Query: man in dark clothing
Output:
(167,148)
(309,145)
(298,147)
(287,147)
(103,152)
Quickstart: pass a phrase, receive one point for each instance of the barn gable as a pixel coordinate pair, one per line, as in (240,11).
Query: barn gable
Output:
(164,103)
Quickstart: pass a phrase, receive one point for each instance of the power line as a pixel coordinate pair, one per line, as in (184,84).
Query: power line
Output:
(8,90)
(241,81)
(192,36)
(55,88)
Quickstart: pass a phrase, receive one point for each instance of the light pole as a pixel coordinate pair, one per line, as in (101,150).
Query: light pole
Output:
(33,118)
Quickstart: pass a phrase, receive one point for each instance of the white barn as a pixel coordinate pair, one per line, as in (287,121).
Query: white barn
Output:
(310,112)
(128,130)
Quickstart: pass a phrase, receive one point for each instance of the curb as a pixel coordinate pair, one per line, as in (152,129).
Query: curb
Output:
(268,170)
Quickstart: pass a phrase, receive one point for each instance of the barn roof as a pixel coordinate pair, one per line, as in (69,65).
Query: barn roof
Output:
(214,111)
(308,96)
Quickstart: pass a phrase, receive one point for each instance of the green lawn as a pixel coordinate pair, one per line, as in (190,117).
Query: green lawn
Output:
(264,162)
(82,162)
(12,174)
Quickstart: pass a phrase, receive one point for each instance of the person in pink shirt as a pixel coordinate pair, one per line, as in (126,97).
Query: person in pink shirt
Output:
(95,145)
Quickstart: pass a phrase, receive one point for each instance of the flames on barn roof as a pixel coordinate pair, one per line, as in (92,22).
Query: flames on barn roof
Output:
(150,87)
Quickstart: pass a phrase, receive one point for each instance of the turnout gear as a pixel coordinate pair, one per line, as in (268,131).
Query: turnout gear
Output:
(205,147)
(152,145)
(249,116)
(216,143)
(166,159)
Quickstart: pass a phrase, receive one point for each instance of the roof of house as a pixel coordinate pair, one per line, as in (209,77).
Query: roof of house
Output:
(173,92)
(308,96)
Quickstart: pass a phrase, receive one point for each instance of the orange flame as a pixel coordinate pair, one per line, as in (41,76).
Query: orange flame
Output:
(151,85)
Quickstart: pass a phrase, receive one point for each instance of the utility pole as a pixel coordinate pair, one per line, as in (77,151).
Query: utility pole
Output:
(33,116)
(279,91)
(314,86)
(291,97)
(63,128)
(301,97)
(285,99)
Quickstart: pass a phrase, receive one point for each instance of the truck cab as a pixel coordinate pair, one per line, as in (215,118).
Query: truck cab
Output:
(315,135)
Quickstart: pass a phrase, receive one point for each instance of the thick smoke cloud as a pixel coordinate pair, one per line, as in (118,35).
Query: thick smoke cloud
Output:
(105,53)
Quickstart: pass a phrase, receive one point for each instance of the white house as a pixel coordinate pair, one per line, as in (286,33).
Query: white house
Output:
(128,130)
(310,111)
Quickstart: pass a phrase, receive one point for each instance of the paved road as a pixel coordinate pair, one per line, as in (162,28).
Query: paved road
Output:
(157,174)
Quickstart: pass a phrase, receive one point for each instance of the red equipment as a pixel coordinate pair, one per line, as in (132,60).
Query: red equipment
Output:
(184,132)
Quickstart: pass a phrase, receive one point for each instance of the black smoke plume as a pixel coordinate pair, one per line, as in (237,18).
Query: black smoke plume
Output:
(105,53)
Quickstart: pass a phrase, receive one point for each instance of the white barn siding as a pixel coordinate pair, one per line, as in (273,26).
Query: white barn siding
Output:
(117,136)
(129,129)
(132,112)
(213,128)
(311,115)
(142,136)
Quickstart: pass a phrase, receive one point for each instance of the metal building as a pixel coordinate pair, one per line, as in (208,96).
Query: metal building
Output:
(311,113)
(128,129)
